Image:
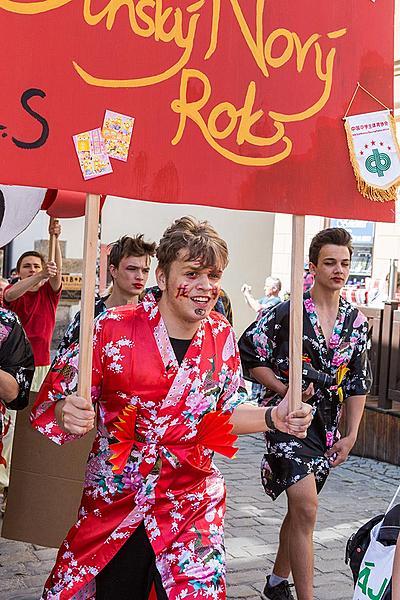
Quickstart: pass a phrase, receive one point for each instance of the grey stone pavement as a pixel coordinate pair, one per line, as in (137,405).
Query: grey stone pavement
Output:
(353,494)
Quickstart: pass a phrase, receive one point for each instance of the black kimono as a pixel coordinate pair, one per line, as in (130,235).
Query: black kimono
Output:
(266,344)
(16,358)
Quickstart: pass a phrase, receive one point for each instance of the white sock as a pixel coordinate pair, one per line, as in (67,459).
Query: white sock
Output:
(275,580)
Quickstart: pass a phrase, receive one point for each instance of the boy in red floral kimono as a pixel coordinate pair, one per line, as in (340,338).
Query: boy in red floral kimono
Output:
(165,390)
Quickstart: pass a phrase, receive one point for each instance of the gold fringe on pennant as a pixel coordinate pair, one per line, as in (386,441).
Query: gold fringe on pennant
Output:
(367,190)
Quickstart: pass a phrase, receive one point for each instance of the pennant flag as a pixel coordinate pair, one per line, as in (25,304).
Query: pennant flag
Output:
(374,154)
(18,206)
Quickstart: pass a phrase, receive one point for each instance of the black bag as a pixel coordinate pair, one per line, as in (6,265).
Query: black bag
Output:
(357,546)
(358,543)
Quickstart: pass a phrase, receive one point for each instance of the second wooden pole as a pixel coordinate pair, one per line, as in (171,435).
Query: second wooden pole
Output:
(296,312)
(92,213)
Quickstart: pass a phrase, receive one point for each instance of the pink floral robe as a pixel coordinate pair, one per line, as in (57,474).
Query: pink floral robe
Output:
(169,480)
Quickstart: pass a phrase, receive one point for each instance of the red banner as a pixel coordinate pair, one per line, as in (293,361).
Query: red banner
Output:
(237,103)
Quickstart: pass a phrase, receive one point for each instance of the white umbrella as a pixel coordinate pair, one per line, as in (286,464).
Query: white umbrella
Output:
(18,206)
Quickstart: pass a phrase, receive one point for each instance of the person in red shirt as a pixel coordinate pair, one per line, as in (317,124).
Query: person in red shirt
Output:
(34,298)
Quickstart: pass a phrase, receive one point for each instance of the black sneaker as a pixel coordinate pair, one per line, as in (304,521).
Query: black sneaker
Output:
(277,592)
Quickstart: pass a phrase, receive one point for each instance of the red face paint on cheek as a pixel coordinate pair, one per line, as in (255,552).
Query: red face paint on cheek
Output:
(214,292)
(182,291)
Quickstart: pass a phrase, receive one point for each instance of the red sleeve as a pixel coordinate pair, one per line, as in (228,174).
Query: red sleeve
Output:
(61,381)
(53,296)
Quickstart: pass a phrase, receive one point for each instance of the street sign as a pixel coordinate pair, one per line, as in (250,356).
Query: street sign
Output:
(362,232)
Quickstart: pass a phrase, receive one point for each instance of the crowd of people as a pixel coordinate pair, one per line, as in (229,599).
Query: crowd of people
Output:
(167,392)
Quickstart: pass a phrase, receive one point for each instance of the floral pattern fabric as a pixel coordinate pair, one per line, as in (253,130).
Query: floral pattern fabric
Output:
(169,482)
(16,358)
(266,344)
(71,335)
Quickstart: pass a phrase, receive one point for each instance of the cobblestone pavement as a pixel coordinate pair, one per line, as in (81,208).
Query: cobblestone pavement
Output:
(354,493)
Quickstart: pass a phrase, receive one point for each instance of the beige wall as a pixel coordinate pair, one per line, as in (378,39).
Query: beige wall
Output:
(282,248)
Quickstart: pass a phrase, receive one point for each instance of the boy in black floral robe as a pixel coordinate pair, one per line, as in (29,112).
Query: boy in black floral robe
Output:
(334,343)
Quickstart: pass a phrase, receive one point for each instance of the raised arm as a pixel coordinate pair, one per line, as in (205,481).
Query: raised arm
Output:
(25,285)
(55,281)
(248,296)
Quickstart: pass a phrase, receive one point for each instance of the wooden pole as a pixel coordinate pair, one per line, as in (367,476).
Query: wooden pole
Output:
(296,312)
(52,242)
(92,213)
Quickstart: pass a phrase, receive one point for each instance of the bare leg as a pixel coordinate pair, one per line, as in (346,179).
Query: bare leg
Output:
(396,573)
(282,561)
(303,504)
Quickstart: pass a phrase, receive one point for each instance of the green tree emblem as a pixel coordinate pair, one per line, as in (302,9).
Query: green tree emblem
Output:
(378,162)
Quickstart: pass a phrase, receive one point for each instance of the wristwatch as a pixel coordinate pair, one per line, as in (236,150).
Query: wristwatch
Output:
(269,420)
